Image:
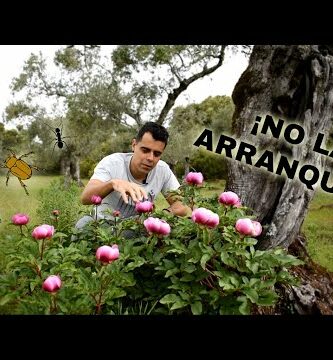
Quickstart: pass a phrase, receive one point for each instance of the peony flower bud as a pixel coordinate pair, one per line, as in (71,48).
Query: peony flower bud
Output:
(244,226)
(20,219)
(96,200)
(164,228)
(194,178)
(106,254)
(205,217)
(213,220)
(43,231)
(144,206)
(238,204)
(229,198)
(257,228)
(52,284)
(116,213)
(157,226)
(152,224)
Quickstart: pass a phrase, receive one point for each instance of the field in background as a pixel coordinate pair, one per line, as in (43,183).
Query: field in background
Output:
(318,228)
(318,225)
(14,200)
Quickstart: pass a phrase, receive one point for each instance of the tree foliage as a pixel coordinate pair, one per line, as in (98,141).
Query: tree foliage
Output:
(186,125)
(98,96)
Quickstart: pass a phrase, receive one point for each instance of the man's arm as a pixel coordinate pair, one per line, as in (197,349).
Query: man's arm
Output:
(102,189)
(177,207)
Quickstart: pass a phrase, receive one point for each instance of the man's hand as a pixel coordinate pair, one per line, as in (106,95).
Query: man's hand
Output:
(176,206)
(126,189)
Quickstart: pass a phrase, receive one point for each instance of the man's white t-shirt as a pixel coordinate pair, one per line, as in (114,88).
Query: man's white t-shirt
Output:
(117,166)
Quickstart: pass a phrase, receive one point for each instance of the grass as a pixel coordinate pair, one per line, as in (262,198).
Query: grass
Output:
(317,226)
(14,200)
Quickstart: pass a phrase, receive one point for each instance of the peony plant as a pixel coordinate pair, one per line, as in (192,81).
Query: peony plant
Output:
(204,264)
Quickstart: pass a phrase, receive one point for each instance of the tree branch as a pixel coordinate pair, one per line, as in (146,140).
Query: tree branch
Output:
(172,97)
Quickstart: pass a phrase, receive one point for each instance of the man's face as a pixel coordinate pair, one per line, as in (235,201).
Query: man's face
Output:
(147,153)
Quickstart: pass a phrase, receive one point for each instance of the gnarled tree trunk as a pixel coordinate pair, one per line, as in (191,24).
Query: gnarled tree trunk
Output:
(292,83)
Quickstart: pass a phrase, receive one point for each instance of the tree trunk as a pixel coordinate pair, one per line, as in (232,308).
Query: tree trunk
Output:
(70,165)
(292,83)
(75,169)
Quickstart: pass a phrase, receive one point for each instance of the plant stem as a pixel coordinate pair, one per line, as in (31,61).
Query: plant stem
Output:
(42,250)
(53,307)
(96,213)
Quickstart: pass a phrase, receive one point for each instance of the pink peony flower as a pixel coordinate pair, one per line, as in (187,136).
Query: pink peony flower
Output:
(257,228)
(244,226)
(43,231)
(152,224)
(164,228)
(213,220)
(96,200)
(20,219)
(157,226)
(238,204)
(52,283)
(229,198)
(144,206)
(194,178)
(106,254)
(248,227)
(205,217)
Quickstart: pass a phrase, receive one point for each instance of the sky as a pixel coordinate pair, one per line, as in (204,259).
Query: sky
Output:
(221,82)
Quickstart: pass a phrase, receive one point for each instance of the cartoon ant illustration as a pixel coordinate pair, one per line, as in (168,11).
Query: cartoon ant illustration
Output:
(59,139)
(19,168)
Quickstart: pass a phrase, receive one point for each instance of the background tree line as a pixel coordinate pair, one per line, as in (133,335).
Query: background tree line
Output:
(106,101)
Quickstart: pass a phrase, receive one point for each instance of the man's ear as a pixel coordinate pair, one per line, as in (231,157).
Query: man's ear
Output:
(133,144)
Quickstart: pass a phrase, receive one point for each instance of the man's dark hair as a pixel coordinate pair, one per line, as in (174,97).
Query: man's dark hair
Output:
(157,131)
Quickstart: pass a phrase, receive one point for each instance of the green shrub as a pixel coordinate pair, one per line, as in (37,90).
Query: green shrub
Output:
(193,270)
(213,166)
(64,199)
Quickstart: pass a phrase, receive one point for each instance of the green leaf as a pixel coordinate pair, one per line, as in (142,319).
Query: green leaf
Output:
(4,300)
(258,253)
(245,279)
(196,308)
(204,259)
(187,278)
(253,266)
(176,251)
(227,259)
(139,261)
(189,268)
(267,298)
(244,308)
(171,272)
(234,280)
(253,281)
(169,298)
(59,235)
(178,305)
(250,241)
(225,284)
(252,250)
(251,294)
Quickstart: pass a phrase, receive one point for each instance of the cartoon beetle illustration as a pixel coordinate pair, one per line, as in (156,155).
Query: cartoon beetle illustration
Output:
(19,168)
